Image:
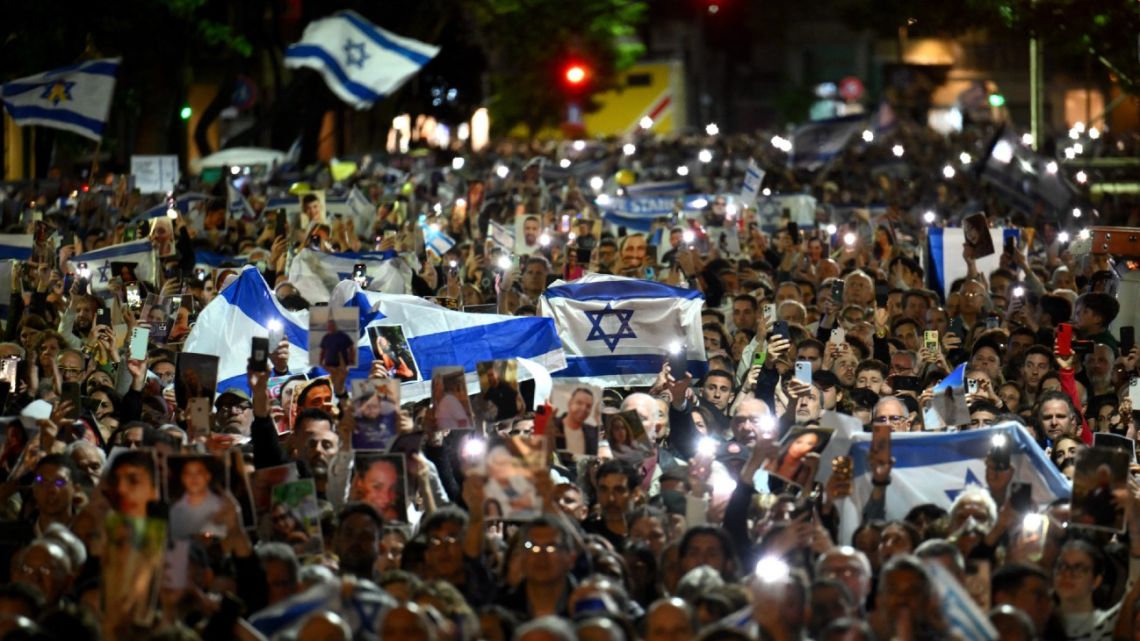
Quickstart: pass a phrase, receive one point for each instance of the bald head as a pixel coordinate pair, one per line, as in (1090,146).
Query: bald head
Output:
(647,409)
(325,626)
(669,619)
(407,622)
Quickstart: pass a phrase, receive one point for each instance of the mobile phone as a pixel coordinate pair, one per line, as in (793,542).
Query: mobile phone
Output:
(582,255)
(198,411)
(359,272)
(770,314)
(803,372)
(999,452)
(134,299)
(200,274)
(71,392)
(794,232)
(279,222)
(1065,339)
(565,226)
(678,361)
(83,271)
(780,328)
(972,385)
(276,333)
(1021,496)
(541,418)
(1127,339)
(1133,392)
(452,268)
(993,322)
(9,371)
(650,274)
(1009,246)
(900,383)
(148,304)
(175,304)
(930,339)
(140,336)
(957,326)
(837,291)
(259,354)
(838,336)
(103,317)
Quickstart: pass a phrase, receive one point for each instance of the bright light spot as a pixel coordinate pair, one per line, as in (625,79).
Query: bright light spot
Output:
(504,262)
(646,122)
(948,172)
(1094,133)
(707,446)
(688,236)
(460,202)
(458,162)
(711,129)
(765,191)
(1079,148)
(713,9)
(722,484)
(771,569)
(564,163)
(1032,521)
(700,203)
(1079,127)
(629,149)
(675,347)
(544,239)
(683,170)
(1063,237)
(1051,167)
(999,440)
(1070,153)
(731,210)
(1027,139)
(831,229)
(275,325)
(579,145)
(898,151)
(235,170)
(704,156)
(965,158)
(603,200)
(1082,177)
(781,143)
(849,238)
(437,208)
(474,448)
(1076,212)
(186,113)
(1018,291)
(502,170)
(597,182)
(434,226)
(868,135)
(172,213)
(1084,234)
(929,217)
(1003,151)
(1074,134)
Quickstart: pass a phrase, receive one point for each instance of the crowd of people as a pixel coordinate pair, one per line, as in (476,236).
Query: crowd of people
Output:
(263,534)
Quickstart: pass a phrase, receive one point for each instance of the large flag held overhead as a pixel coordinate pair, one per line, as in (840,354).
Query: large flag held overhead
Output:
(946,261)
(936,467)
(617,331)
(360,62)
(815,143)
(76,98)
(316,274)
(436,336)
(107,263)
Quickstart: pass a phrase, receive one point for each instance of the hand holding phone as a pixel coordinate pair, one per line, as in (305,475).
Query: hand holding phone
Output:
(259,354)
(1064,340)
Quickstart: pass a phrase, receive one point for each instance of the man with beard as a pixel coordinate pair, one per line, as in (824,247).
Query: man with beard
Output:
(1098,371)
(78,320)
(574,433)
(315,443)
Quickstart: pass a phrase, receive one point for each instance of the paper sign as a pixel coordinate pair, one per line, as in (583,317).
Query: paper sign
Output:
(155,174)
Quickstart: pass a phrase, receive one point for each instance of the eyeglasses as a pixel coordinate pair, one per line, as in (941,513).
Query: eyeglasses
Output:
(535,548)
(1076,569)
(436,541)
(234,407)
(883,420)
(70,371)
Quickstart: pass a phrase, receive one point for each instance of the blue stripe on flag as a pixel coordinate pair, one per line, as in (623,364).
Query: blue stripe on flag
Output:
(20,112)
(620,365)
(299,51)
(620,290)
(257,304)
(114,251)
(383,41)
(527,337)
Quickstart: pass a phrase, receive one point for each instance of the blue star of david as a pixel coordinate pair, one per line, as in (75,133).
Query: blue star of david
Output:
(355,54)
(598,334)
(57,91)
(971,479)
(103,269)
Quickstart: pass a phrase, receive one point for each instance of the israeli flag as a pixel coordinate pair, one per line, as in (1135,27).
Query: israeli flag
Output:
(315,274)
(618,331)
(99,261)
(937,467)
(946,261)
(361,608)
(436,336)
(437,240)
(184,204)
(360,62)
(16,246)
(237,207)
(75,98)
(815,143)
(753,177)
(959,610)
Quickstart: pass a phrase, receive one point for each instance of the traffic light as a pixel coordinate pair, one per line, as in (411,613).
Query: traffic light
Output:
(575,75)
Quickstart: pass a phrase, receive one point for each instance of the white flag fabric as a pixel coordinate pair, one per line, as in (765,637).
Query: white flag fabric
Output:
(237,207)
(753,177)
(361,608)
(138,254)
(75,98)
(815,143)
(961,613)
(315,274)
(617,330)
(936,467)
(946,261)
(360,62)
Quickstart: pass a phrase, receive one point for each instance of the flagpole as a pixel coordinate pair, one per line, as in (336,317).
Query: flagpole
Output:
(94,163)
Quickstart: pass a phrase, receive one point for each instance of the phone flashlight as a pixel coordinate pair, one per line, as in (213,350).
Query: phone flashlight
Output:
(474,448)
(772,569)
(1032,521)
(688,236)
(544,240)
(1018,291)
(707,446)
(849,238)
(504,262)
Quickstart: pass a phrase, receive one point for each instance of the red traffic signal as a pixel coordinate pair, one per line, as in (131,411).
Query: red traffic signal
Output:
(575,75)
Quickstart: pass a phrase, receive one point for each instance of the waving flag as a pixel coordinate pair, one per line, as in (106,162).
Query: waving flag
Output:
(815,143)
(360,607)
(184,203)
(959,609)
(75,98)
(15,246)
(617,330)
(436,336)
(936,467)
(139,254)
(360,62)
(237,207)
(315,273)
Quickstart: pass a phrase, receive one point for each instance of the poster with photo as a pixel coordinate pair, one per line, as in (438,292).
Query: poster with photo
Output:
(511,465)
(267,478)
(133,562)
(528,231)
(976,230)
(376,410)
(449,399)
(390,347)
(195,492)
(295,517)
(196,376)
(1099,474)
(333,335)
(379,479)
(577,417)
(499,390)
(313,211)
